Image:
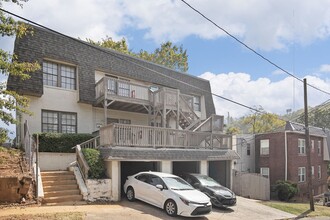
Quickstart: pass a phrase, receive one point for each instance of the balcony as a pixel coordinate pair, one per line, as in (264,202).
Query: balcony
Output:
(154,137)
(122,95)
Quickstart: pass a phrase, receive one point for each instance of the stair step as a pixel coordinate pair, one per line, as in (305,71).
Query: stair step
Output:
(56,173)
(56,199)
(60,187)
(61,177)
(62,193)
(59,182)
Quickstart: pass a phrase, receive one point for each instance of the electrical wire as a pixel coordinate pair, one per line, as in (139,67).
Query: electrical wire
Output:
(251,49)
(130,61)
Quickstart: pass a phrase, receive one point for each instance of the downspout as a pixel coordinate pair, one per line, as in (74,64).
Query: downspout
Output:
(285,156)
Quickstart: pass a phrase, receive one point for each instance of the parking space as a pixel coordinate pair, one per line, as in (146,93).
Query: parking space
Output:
(245,209)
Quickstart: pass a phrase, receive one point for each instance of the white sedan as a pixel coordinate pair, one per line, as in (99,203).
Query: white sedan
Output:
(168,192)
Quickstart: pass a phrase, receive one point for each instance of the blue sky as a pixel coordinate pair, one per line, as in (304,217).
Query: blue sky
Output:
(294,34)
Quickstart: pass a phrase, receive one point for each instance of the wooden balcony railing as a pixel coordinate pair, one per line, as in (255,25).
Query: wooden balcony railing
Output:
(108,86)
(146,136)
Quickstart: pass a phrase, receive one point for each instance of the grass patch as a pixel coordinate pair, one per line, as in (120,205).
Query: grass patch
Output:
(299,208)
(48,216)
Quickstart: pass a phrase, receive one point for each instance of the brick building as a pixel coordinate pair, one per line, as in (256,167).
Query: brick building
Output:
(282,156)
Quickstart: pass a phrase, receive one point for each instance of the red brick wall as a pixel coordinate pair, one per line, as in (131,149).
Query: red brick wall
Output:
(276,160)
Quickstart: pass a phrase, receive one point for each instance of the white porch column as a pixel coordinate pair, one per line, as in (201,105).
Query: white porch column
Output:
(204,167)
(115,180)
(166,166)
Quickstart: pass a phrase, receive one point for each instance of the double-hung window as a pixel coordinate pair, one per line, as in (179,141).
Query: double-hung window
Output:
(319,148)
(319,172)
(264,171)
(58,122)
(197,103)
(264,147)
(59,75)
(301,174)
(312,146)
(301,146)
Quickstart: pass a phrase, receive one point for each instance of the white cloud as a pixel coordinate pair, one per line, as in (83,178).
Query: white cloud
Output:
(274,97)
(325,68)
(262,24)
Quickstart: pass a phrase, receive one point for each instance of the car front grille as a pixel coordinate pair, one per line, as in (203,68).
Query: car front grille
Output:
(202,210)
(225,201)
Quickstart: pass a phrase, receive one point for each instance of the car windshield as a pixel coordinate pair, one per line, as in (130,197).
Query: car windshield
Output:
(176,183)
(207,181)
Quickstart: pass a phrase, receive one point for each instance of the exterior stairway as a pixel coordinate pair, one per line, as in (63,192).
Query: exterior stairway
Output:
(59,187)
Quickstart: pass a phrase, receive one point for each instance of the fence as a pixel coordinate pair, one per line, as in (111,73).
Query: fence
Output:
(251,185)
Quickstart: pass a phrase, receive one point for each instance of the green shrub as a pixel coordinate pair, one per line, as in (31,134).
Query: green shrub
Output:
(286,190)
(60,142)
(95,163)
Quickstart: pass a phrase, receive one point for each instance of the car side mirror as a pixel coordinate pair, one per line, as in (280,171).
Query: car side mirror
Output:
(197,185)
(160,186)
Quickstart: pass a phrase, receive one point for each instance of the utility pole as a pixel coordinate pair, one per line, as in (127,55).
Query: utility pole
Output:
(308,152)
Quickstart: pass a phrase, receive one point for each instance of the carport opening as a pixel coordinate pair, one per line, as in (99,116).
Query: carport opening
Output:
(180,167)
(218,170)
(129,168)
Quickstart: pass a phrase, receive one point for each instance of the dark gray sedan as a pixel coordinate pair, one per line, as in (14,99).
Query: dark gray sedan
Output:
(220,196)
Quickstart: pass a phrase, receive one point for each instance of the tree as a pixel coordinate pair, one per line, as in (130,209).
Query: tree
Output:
(168,55)
(9,100)
(261,122)
(318,117)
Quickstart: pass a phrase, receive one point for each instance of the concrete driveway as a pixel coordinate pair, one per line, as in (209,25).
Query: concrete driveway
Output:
(124,210)
(245,209)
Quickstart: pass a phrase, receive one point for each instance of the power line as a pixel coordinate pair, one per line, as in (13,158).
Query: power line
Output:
(130,61)
(250,48)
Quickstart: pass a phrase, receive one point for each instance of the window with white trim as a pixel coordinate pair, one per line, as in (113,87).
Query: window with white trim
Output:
(301,174)
(319,151)
(312,171)
(197,103)
(58,122)
(264,171)
(312,146)
(59,75)
(264,147)
(319,172)
(301,146)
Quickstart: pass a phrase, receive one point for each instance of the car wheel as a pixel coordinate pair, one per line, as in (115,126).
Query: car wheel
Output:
(170,208)
(130,195)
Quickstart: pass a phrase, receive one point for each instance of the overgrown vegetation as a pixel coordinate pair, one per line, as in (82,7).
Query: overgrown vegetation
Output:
(59,142)
(95,163)
(286,190)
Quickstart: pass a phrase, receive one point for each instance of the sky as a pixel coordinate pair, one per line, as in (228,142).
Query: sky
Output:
(293,34)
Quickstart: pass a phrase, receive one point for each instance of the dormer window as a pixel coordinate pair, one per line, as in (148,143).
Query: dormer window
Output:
(59,75)
(197,103)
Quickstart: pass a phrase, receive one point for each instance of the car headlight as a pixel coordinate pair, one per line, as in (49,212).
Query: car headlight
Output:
(185,201)
(234,196)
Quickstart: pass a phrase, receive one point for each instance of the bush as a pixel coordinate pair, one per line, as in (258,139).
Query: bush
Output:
(59,142)
(286,190)
(95,163)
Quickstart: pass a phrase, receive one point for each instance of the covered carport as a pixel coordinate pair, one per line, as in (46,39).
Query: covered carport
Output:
(128,168)
(124,161)
(180,167)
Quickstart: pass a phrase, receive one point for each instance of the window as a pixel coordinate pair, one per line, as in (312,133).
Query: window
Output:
(319,172)
(301,146)
(197,103)
(312,168)
(301,174)
(319,148)
(59,75)
(264,171)
(264,147)
(248,149)
(58,122)
(116,120)
(312,146)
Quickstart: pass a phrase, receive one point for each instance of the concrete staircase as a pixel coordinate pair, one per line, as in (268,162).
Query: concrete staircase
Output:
(59,187)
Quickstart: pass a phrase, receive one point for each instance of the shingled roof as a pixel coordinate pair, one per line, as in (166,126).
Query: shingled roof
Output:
(132,153)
